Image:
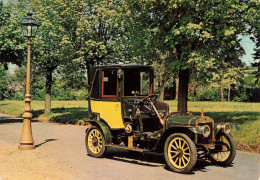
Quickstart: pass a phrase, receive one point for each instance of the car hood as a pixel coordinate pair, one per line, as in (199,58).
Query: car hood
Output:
(186,120)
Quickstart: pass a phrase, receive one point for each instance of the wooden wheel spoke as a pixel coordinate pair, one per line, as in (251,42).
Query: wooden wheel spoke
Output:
(174,156)
(175,152)
(186,154)
(179,161)
(183,145)
(185,158)
(221,155)
(176,144)
(180,143)
(182,159)
(173,147)
(176,160)
(185,149)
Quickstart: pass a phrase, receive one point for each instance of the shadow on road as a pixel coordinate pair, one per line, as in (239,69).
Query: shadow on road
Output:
(148,159)
(144,159)
(45,141)
(64,115)
(6,120)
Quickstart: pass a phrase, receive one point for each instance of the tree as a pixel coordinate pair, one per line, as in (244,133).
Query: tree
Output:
(191,32)
(256,56)
(12,43)
(75,32)
(50,48)
(163,75)
(3,82)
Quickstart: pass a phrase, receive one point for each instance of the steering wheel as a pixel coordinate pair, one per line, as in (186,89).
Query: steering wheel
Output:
(146,102)
(148,99)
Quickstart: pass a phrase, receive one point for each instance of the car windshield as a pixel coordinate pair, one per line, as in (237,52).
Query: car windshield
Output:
(137,82)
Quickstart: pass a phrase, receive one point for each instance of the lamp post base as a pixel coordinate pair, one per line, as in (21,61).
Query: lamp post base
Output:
(26,146)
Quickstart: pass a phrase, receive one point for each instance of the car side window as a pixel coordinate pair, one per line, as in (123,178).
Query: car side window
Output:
(109,83)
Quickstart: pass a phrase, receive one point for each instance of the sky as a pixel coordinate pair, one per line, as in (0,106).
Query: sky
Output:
(248,46)
(4,1)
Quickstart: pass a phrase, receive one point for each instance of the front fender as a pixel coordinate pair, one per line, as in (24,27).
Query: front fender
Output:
(195,130)
(190,131)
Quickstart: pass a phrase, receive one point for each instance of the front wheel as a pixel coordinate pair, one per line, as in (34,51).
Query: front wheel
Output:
(95,142)
(180,153)
(225,150)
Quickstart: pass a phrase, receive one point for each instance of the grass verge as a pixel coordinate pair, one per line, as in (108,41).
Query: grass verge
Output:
(246,115)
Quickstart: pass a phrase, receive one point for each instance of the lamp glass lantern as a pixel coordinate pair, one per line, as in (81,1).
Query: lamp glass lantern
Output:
(29,26)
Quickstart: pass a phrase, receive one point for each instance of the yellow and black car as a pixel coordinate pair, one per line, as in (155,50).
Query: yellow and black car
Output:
(128,115)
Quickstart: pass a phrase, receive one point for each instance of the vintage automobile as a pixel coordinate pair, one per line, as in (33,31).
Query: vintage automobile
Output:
(128,115)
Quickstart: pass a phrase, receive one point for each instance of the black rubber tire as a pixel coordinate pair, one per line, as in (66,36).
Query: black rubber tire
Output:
(88,144)
(232,154)
(192,153)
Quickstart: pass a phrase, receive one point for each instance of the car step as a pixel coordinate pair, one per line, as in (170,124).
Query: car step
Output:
(127,148)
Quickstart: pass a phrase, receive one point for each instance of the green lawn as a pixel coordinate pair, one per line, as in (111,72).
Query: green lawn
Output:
(246,115)
(62,111)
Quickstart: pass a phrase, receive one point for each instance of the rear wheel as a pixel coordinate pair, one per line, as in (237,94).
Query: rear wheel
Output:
(95,142)
(180,153)
(225,150)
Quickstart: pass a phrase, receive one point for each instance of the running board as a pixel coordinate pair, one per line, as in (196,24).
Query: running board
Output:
(127,148)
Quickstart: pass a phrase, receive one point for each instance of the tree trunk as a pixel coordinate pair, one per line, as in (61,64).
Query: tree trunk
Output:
(195,95)
(184,76)
(177,88)
(89,89)
(47,109)
(162,88)
(221,90)
(229,92)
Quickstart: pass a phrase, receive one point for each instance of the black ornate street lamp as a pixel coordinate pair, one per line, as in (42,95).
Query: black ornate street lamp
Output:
(29,27)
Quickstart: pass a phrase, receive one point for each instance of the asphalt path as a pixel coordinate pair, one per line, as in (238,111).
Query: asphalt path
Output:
(65,144)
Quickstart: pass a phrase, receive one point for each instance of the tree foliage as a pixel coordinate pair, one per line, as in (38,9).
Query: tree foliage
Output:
(3,83)
(256,56)
(75,34)
(197,39)
(192,32)
(12,44)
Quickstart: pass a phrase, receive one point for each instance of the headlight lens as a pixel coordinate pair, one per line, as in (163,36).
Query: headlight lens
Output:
(219,127)
(226,128)
(205,130)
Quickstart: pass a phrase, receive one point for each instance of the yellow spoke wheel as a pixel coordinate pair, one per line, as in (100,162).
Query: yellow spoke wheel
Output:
(225,149)
(180,153)
(95,143)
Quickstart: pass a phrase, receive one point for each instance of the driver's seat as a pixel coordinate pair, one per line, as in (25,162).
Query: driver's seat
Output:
(162,107)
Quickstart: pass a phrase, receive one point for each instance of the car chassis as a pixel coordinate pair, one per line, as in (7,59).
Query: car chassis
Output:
(127,115)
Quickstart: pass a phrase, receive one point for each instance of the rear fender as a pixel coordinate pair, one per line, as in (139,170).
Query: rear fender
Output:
(104,128)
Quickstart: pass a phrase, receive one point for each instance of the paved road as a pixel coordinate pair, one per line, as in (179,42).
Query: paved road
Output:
(65,144)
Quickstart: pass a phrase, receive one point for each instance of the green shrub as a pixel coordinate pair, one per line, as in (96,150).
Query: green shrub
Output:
(69,94)
(209,95)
